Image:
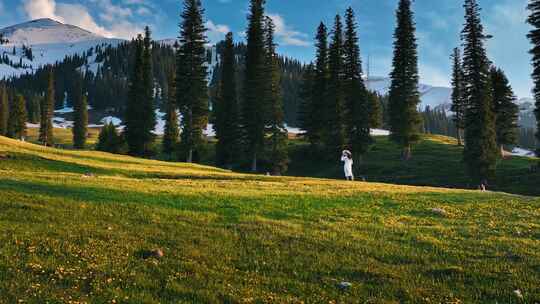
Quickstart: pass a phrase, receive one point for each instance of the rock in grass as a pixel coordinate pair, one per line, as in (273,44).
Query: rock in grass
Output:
(345,285)
(518,293)
(156,253)
(439,211)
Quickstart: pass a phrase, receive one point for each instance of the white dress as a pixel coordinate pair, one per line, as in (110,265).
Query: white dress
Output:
(347,167)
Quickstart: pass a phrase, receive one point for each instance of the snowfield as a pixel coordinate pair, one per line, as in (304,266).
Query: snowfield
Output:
(522,152)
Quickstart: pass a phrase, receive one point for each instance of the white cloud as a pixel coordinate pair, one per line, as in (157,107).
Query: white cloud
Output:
(36,9)
(216,32)
(433,75)
(76,14)
(286,35)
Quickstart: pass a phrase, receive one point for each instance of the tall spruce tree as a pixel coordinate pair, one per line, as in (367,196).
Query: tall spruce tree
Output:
(277,138)
(148,120)
(191,82)
(506,109)
(356,97)
(254,109)
(305,118)
(335,98)
(17,118)
(171,134)
(318,111)
(534,37)
(47,110)
(4,110)
(133,113)
(458,102)
(80,115)
(226,110)
(405,121)
(140,117)
(481,150)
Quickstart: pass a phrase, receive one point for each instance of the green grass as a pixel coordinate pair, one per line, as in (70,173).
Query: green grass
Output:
(238,238)
(436,162)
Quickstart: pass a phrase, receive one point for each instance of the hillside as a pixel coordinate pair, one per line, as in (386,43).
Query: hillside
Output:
(77,226)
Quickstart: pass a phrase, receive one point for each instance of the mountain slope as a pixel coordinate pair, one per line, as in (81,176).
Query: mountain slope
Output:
(434,97)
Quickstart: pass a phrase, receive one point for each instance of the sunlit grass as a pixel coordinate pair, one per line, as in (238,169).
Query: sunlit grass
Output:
(74,225)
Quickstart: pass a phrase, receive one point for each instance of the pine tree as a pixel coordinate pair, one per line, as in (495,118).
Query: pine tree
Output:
(405,121)
(481,150)
(277,139)
(226,109)
(34,114)
(458,102)
(4,110)
(133,113)
(506,109)
(356,99)
(47,110)
(374,110)
(335,138)
(534,37)
(80,115)
(17,118)
(109,140)
(191,83)
(318,112)
(148,102)
(254,83)
(305,118)
(171,134)
(140,117)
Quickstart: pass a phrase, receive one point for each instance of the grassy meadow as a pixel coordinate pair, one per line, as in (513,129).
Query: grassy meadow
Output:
(75,227)
(436,162)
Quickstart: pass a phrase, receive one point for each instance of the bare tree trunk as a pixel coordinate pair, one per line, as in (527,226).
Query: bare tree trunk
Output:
(406,153)
(502,151)
(254,163)
(459,139)
(189,158)
(358,160)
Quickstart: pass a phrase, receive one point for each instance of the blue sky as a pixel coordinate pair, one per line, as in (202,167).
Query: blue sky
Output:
(438,23)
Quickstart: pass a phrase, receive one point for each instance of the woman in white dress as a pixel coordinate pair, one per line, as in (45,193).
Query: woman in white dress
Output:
(346,158)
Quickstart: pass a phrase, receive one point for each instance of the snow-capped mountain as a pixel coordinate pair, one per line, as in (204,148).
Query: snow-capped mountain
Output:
(434,97)
(46,31)
(43,41)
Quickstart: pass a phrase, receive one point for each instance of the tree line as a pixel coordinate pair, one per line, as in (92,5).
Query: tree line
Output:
(337,110)
(248,119)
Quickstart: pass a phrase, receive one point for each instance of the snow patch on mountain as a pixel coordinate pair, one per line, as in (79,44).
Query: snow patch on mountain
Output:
(523,152)
(434,97)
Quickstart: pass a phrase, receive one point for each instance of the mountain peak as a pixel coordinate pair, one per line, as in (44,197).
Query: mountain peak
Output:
(43,22)
(46,31)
